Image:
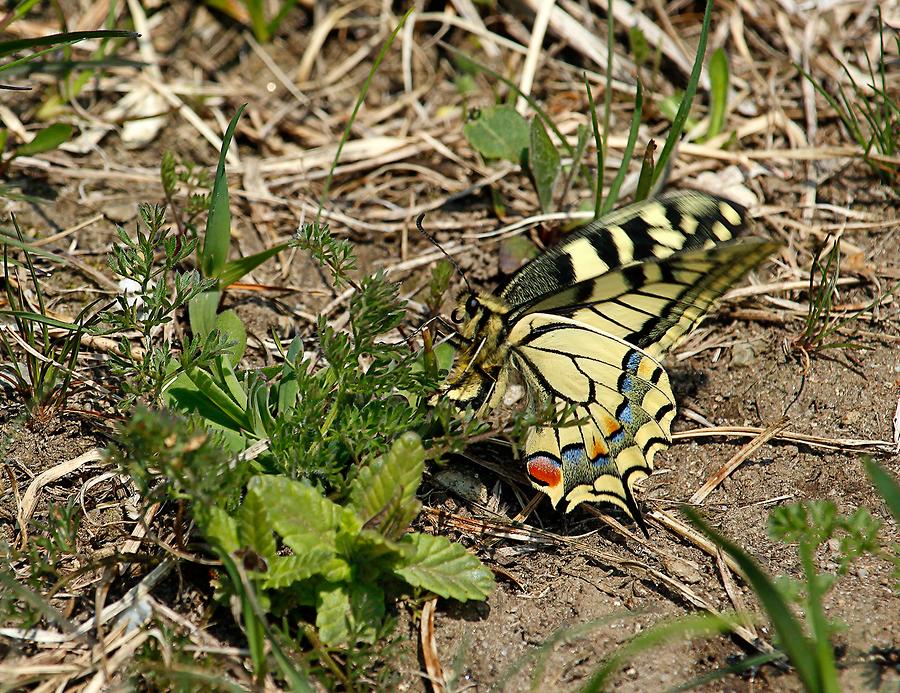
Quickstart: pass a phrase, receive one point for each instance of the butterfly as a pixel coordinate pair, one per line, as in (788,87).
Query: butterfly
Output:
(586,325)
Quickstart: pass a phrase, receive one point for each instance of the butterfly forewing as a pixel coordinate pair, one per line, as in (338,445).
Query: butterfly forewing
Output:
(654,304)
(650,229)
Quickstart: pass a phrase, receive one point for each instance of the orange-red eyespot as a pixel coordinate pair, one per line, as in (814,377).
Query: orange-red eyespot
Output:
(545,471)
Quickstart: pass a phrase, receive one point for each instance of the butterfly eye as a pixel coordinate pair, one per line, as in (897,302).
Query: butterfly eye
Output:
(456,317)
(472,306)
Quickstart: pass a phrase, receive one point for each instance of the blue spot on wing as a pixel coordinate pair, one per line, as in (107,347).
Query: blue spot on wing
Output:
(573,454)
(625,414)
(618,436)
(634,360)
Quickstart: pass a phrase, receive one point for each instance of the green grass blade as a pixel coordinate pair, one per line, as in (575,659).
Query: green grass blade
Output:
(685,108)
(56,40)
(359,102)
(43,319)
(601,153)
(49,138)
(610,51)
(276,21)
(17,12)
(720,673)
(718,79)
(885,483)
(682,628)
(613,194)
(645,179)
(234,270)
(799,649)
(217,239)
(217,398)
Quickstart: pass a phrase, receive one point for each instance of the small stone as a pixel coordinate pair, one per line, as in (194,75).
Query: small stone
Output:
(466,486)
(742,355)
(683,570)
(851,418)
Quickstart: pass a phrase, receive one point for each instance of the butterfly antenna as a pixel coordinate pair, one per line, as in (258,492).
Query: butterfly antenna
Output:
(446,254)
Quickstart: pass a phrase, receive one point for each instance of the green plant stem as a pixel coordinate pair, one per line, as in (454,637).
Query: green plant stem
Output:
(684,108)
(818,624)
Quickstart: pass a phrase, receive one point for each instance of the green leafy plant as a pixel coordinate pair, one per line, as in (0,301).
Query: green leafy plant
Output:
(501,133)
(344,557)
(328,568)
(197,184)
(214,249)
(871,115)
(820,327)
(36,364)
(807,643)
(44,45)
(56,134)
(153,290)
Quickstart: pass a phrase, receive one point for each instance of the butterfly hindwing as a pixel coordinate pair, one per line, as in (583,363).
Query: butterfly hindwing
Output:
(619,403)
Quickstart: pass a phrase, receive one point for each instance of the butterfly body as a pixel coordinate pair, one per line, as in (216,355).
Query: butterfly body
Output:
(585,325)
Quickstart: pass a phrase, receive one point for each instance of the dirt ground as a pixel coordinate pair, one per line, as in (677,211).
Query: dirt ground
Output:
(407,154)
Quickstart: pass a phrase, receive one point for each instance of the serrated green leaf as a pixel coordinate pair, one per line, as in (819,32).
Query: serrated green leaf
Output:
(254,530)
(447,569)
(286,570)
(49,138)
(300,514)
(384,492)
(347,614)
(544,162)
(498,133)
(221,529)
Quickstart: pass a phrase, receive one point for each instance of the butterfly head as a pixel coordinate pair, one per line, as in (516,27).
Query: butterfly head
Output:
(468,309)
(478,313)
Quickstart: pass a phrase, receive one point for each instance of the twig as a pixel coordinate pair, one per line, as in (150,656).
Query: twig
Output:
(725,470)
(429,647)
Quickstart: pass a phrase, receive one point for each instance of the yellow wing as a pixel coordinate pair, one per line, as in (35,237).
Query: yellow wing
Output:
(594,348)
(654,304)
(619,396)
